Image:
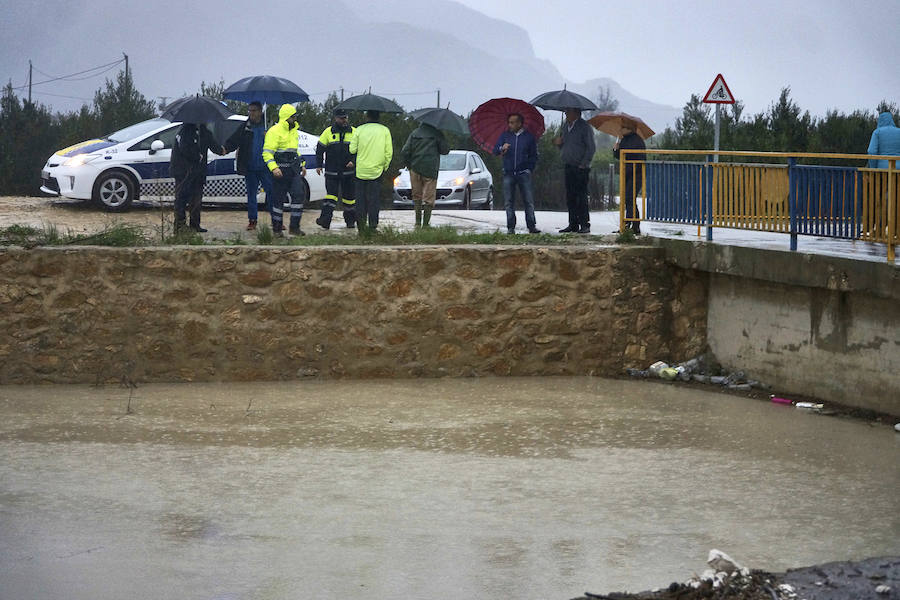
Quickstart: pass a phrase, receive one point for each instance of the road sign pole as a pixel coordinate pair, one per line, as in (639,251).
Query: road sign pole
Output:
(718,125)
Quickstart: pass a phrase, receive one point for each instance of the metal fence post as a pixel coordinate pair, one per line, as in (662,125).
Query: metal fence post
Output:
(792,200)
(610,202)
(622,154)
(892,209)
(708,192)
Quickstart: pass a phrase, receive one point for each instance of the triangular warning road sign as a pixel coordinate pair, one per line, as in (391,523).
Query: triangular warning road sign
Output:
(718,92)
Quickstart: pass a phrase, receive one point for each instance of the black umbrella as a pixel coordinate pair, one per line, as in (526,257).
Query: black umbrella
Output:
(267,89)
(223,130)
(563,99)
(441,118)
(196,109)
(370,102)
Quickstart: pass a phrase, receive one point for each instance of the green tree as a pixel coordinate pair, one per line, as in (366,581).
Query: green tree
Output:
(790,130)
(844,134)
(885,106)
(28,136)
(120,104)
(217,91)
(77,126)
(693,131)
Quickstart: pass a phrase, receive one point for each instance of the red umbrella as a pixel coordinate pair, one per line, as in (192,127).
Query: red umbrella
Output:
(489,120)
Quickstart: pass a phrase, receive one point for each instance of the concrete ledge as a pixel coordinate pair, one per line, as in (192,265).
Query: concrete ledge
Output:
(880,279)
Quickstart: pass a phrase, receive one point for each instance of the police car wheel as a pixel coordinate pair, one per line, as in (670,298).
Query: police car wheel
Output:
(115,191)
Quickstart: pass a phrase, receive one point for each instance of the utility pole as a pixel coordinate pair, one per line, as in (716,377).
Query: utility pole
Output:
(342,93)
(438,97)
(29,82)
(126,74)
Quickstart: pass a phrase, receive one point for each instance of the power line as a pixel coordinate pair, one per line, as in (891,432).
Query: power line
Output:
(70,75)
(62,96)
(407,93)
(95,74)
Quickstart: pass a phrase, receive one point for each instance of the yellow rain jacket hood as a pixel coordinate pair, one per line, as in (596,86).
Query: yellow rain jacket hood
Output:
(282,140)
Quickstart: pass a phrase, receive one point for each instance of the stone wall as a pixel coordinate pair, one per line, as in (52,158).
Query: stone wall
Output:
(254,313)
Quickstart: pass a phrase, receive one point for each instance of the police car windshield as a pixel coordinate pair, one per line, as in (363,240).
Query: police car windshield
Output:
(453,162)
(136,130)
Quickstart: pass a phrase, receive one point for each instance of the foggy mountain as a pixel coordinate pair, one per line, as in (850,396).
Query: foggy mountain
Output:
(405,49)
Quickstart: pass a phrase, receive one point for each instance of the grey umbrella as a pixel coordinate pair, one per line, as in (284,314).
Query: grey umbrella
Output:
(370,102)
(563,99)
(441,118)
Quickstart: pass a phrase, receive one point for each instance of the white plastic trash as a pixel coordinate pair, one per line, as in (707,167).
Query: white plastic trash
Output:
(657,367)
(809,405)
(720,561)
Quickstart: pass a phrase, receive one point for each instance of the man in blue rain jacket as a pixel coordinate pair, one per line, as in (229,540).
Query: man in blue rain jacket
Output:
(519,151)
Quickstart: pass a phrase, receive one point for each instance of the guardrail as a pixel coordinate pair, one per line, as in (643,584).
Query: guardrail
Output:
(764,191)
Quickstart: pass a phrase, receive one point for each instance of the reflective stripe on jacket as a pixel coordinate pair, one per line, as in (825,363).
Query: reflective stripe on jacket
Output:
(334,145)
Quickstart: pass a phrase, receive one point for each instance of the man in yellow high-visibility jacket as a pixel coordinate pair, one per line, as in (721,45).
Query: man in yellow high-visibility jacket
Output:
(280,153)
(374,148)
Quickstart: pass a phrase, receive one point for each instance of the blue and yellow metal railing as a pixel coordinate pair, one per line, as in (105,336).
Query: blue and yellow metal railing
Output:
(766,191)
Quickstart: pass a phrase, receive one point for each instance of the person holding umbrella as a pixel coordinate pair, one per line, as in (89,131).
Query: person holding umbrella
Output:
(630,140)
(576,151)
(422,154)
(519,151)
(248,140)
(189,153)
(373,146)
(281,156)
(333,150)
(188,168)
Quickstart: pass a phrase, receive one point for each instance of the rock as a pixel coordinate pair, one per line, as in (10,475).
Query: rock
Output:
(883,589)
(251,299)
(720,561)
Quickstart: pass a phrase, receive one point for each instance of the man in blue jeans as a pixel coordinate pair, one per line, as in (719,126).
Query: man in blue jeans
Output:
(519,151)
(248,141)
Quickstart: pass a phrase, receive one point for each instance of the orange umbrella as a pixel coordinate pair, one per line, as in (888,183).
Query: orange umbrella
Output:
(612,122)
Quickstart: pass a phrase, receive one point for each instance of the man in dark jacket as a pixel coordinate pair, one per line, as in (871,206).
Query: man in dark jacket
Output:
(422,154)
(188,167)
(634,177)
(519,151)
(576,151)
(333,151)
(248,140)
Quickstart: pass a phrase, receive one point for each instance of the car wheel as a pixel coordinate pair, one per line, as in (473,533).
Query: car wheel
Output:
(115,191)
(467,198)
(489,200)
(306,192)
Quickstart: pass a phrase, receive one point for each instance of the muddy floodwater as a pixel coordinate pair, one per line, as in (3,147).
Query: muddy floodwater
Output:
(475,488)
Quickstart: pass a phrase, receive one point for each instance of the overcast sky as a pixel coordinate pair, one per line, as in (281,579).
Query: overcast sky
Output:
(832,53)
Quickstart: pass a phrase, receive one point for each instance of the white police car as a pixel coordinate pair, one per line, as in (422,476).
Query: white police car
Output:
(133,163)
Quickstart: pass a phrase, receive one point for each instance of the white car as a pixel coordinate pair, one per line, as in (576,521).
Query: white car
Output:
(463,181)
(133,163)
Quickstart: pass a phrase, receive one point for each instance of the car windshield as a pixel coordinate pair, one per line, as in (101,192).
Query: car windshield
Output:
(136,130)
(453,162)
